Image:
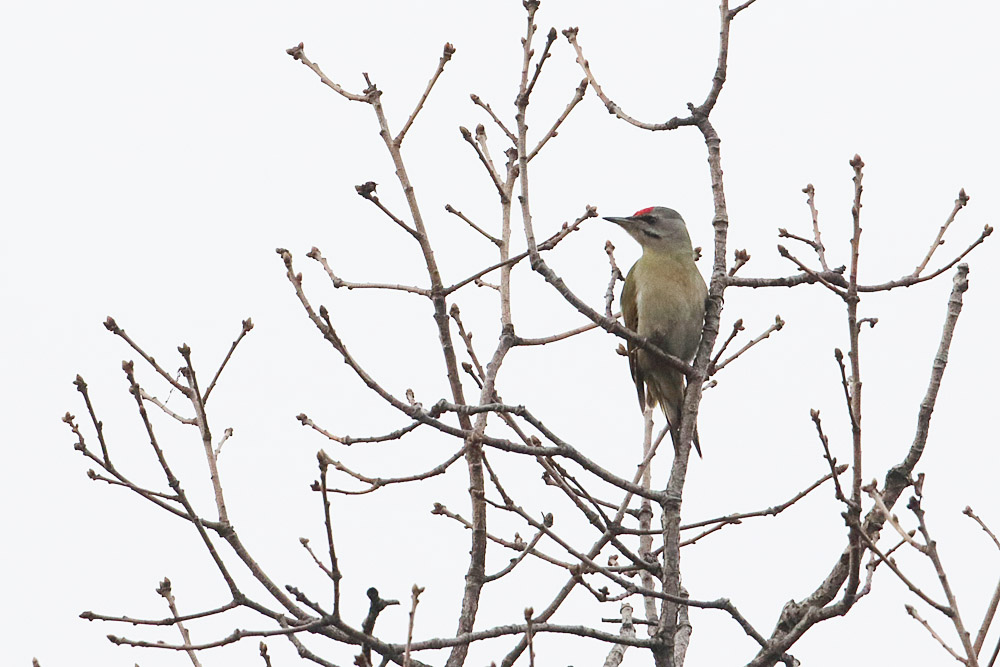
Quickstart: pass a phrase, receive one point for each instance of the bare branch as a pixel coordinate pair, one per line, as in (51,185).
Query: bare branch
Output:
(486,107)
(247,326)
(414,600)
(616,275)
(449,51)
(737,328)
(338,282)
(736,10)
(561,336)
(164,590)
(581,90)
(672,124)
(783,251)
(298,53)
(376,483)
(740,257)
(484,158)
(777,326)
(913,612)
(461,216)
(932,553)
(814,414)
(348,440)
(189,421)
(991,609)
(817,240)
(627,630)
(770,511)
(367,191)
(960,203)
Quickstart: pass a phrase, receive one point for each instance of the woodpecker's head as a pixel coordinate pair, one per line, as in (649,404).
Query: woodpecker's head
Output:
(657,228)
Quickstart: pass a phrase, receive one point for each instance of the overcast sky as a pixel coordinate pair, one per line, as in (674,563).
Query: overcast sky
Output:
(155,154)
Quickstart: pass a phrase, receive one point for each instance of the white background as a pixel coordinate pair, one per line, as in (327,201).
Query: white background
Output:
(155,154)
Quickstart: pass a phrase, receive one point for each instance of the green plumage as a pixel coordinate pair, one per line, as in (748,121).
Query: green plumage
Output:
(664,301)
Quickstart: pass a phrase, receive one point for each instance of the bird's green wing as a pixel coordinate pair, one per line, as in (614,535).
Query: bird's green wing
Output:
(630,312)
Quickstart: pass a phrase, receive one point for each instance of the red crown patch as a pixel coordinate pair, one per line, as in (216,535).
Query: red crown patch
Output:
(643,211)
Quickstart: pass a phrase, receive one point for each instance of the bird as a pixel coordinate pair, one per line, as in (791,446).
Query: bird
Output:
(663,300)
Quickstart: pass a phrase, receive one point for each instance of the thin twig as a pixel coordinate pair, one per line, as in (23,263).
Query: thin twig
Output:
(737,328)
(247,326)
(189,421)
(486,107)
(740,257)
(773,510)
(960,203)
(581,90)
(367,191)
(913,612)
(164,590)
(616,275)
(817,277)
(414,600)
(825,441)
(298,53)
(449,51)
(349,440)
(777,326)
(461,216)
(561,336)
(991,609)
(818,241)
(339,282)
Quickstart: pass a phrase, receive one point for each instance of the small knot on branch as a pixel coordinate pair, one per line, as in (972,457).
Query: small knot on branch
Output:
(449,51)
(367,190)
(324,460)
(296,51)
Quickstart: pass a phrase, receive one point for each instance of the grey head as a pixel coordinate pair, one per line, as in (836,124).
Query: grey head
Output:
(656,228)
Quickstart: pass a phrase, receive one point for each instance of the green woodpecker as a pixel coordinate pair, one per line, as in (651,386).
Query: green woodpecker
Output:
(664,301)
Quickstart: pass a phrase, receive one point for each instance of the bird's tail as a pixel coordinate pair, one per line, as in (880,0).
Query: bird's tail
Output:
(670,395)
(675,435)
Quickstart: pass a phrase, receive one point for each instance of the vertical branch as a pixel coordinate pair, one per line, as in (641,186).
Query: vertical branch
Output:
(198,402)
(930,549)
(165,591)
(414,600)
(528,613)
(959,286)
(617,653)
(335,575)
(671,505)
(646,519)
(522,131)
(854,354)
(818,246)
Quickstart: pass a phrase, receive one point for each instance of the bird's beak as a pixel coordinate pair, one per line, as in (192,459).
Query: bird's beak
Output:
(622,222)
